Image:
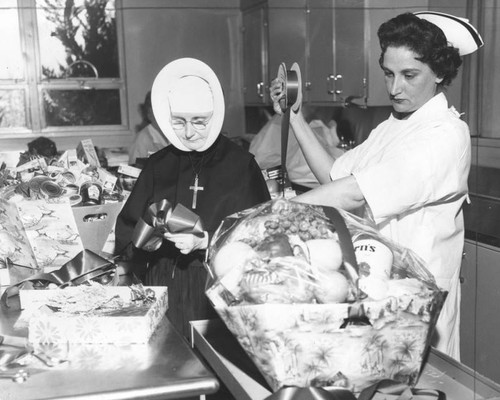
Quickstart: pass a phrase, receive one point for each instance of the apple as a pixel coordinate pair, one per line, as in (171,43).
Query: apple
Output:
(232,255)
(333,287)
(325,254)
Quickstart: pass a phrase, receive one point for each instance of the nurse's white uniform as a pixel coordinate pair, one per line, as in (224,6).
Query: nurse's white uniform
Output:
(413,175)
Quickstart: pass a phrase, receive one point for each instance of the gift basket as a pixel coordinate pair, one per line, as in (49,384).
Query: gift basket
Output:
(287,283)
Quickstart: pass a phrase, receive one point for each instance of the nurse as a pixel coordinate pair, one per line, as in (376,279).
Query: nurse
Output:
(410,175)
(204,171)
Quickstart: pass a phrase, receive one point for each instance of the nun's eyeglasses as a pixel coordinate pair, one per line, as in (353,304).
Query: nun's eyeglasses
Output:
(180,124)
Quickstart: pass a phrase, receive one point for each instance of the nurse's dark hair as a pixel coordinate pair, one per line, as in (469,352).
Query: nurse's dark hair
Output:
(425,39)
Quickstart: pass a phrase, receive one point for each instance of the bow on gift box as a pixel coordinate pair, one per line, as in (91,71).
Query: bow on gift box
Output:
(161,217)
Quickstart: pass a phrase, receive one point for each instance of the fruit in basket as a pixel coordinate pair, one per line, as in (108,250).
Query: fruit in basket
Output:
(325,254)
(274,246)
(332,287)
(232,255)
(282,280)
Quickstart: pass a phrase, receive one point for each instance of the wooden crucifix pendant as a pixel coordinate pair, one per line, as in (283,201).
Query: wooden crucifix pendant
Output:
(195,188)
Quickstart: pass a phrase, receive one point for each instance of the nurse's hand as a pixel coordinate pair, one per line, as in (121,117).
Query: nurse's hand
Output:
(276,91)
(187,242)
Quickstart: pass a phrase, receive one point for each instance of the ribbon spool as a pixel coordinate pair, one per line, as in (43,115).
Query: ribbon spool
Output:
(290,101)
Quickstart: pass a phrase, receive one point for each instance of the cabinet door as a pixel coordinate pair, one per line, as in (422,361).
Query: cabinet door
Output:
(255,66)
(349,57)
(336,66)
(319,81)
(287,39)
(468,303)
(487,323)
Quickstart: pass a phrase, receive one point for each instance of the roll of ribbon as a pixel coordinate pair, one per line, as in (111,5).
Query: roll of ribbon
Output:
(290,101)
(50,189)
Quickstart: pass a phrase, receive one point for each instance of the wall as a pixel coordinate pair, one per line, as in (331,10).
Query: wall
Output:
(159,31)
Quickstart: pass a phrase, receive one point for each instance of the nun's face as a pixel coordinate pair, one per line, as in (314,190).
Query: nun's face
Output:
(191,113)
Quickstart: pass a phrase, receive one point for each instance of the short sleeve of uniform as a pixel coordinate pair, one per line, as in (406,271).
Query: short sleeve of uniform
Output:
(427,164)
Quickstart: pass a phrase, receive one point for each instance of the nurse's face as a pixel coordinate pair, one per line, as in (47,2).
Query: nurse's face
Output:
(409,82)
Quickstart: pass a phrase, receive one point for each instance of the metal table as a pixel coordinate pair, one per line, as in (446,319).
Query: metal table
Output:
(164,368)
(244,381)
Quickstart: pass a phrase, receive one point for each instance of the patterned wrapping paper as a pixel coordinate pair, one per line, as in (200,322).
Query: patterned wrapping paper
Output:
(305,343)
(14,244)
(45,326)
(51,230)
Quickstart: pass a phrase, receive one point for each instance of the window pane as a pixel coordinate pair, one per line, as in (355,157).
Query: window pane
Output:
(12,114)
(82,107)
(11,66)
(74,31)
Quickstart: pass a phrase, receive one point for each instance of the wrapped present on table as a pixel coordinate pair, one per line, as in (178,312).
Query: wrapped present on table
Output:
(287,284)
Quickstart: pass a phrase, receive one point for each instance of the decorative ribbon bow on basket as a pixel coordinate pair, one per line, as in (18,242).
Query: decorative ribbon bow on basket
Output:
(379,390)
(161,217)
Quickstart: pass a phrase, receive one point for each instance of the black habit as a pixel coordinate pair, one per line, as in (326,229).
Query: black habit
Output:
(232,181)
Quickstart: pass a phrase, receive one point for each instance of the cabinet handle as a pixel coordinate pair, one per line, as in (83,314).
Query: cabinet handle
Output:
(260,89)
(333,84)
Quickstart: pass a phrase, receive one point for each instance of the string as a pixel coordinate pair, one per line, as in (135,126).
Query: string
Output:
(200,164)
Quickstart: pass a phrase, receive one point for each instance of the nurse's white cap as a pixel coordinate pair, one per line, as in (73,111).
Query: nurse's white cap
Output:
(459,32)
(167,82)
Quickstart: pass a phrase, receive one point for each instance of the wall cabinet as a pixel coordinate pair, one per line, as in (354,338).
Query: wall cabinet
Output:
(480,319)
(255,50)
(334,42)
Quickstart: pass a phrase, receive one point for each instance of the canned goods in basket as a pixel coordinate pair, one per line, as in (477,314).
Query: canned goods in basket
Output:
(91,193)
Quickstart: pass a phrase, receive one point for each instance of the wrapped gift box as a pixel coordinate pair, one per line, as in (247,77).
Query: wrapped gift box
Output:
(130,325)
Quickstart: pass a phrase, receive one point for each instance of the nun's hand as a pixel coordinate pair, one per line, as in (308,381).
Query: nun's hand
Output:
(187,242)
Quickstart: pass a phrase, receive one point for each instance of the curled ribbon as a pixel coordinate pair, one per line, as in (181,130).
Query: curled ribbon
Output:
(161,217)
(85,266)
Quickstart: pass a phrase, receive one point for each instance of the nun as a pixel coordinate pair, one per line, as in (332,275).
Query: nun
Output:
(203,171)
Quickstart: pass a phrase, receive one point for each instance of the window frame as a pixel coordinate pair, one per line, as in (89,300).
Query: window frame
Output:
(33,84)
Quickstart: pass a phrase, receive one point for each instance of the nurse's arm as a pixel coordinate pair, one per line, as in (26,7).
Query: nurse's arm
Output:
(343,193)
(319,160)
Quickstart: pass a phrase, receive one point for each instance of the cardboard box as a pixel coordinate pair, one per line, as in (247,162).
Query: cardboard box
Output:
(95,223)
(46,326)
(85,152)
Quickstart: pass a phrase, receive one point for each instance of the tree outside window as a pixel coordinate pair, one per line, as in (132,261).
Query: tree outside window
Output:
(69,78)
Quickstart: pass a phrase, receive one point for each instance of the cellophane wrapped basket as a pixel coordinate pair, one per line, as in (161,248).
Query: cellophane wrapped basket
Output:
(286,283)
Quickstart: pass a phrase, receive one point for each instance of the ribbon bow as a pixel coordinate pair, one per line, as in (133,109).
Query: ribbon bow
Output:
(311,393)
(85,266)
(161,217)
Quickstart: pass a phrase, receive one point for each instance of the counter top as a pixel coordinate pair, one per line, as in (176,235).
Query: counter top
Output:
(164,368)
(236,370)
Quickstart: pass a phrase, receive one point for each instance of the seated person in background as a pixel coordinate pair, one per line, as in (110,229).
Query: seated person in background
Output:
(41,147)
(266,146)
(149,139)
(201,169)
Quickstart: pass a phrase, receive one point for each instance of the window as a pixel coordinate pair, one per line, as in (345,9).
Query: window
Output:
(63,72)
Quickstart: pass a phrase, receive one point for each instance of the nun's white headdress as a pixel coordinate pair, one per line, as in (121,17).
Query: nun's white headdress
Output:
(459,32)
(208,92)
